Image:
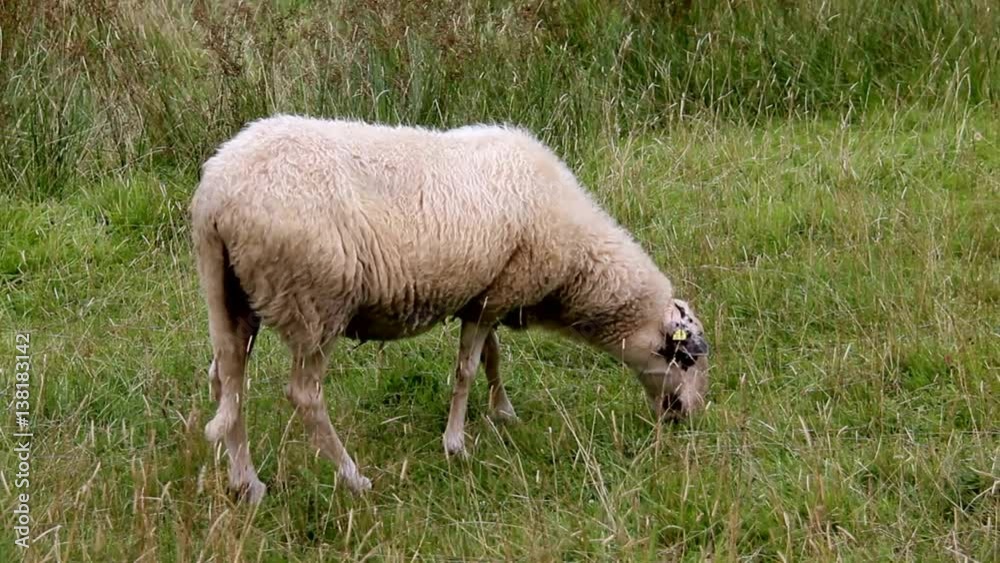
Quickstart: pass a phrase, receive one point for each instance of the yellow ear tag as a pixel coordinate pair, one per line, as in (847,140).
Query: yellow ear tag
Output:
(680,334)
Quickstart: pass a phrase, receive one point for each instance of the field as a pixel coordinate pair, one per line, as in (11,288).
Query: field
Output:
(822,181)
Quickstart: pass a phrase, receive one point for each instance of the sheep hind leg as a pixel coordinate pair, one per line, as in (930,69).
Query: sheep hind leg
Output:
(500,407)
(471,344)
(232,342)
(306,394)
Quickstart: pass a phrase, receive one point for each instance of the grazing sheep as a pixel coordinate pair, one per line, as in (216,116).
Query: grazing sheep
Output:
(323,229)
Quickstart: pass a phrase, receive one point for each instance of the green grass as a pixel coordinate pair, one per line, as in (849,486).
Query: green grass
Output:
(835,220)
(848,276)
(92,86)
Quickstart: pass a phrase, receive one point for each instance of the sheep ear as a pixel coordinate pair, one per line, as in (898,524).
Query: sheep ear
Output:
(683,308)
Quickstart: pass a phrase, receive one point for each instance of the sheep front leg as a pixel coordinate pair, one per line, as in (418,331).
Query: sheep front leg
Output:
(306,394)
(470,350)
(500,407)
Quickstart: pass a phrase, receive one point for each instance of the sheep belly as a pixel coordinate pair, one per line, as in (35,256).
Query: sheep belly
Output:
(377,325)
(409,313)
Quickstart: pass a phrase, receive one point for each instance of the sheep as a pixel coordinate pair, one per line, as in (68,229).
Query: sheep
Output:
(324,229)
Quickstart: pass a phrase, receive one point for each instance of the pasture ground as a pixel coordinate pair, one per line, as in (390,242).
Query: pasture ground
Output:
(847,273)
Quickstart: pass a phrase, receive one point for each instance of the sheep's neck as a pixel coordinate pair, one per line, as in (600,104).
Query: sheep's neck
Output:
(610,297)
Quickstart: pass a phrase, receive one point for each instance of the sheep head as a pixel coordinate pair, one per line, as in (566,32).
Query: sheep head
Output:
(671,361)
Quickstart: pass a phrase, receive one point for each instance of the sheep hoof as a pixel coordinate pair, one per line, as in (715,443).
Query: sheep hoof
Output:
(455,446)
(505,415)
(251,492)
(355,481)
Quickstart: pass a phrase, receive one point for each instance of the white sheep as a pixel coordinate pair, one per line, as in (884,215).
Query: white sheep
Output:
(323,229)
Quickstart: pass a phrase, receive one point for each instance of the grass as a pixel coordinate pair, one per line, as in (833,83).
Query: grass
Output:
(836,227)
(106,84)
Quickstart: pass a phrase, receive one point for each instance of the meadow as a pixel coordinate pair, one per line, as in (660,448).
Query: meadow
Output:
(820,179)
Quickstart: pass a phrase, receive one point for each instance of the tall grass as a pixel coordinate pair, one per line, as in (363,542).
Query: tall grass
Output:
(820,178)
(102,84)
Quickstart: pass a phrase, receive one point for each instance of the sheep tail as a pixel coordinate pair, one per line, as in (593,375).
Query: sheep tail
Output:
(232,325)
